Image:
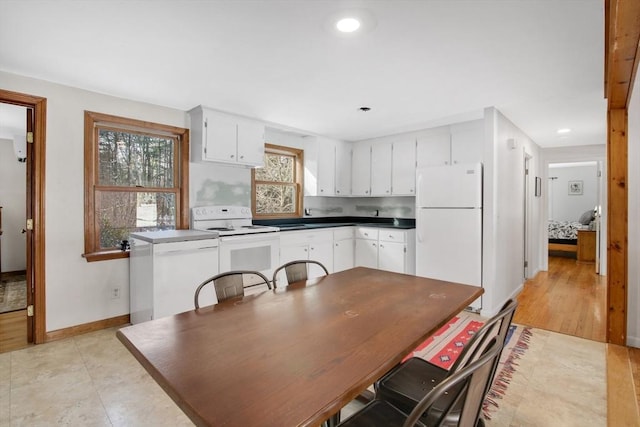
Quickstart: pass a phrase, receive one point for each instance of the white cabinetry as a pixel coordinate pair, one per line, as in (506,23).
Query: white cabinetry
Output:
(334,168)
(446,145)
(384,168)
(343,248)
(403,168)
(366,247)
(326,167)
(226,138)
(386,249)
(381,169)
(467,142)
(361,169)
(343,169)
(315,245)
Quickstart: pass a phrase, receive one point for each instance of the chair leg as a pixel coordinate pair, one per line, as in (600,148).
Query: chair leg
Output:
(333,421)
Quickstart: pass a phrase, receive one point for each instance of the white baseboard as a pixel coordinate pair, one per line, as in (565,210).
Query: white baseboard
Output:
(633,342)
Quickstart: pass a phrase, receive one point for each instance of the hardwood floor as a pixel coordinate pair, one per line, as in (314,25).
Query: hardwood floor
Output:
(13,330)
(570,299)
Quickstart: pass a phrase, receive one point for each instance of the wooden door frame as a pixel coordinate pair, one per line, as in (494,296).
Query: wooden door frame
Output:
(622,35)
(37,170)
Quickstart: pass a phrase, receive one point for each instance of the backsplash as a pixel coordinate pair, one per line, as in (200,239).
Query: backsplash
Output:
(215,184)
(388,207)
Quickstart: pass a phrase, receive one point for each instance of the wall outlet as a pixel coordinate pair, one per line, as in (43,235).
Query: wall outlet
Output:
(115,293)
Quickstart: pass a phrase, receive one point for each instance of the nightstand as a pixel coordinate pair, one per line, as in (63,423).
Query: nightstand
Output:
(586,246)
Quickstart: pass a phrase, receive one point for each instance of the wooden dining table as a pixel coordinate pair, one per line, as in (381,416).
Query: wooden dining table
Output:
(296,355)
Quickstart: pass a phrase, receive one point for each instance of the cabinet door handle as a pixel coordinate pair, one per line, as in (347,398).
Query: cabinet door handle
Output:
(381,245)
(232,156)
(242,157)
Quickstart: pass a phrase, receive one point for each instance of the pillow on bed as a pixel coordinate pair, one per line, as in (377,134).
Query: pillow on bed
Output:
(586,217)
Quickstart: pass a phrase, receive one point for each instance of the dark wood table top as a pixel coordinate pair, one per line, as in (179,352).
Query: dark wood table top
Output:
(297,355)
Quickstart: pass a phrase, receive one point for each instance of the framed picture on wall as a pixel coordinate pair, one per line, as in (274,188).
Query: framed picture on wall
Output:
(575,188)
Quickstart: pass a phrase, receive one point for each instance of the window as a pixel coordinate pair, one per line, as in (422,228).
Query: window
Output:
(136,179)
(277,187)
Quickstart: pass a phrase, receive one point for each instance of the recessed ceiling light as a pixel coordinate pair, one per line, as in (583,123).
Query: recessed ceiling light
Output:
(348,25)
(564,130)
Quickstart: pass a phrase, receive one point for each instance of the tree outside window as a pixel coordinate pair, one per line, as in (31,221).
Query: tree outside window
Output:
(277,187)
(136,179)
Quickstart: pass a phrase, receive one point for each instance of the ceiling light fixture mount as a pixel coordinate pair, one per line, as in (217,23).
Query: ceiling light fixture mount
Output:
(365,109)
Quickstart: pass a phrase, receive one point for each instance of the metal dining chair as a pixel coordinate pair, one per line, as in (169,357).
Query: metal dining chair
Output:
(404,386)
(464,390)
(231,284)
(297,270)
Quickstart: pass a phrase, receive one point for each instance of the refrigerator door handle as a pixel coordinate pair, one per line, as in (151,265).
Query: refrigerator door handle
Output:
(419,229)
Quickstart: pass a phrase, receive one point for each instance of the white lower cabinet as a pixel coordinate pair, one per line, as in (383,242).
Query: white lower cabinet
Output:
(314,245)
(386,249)
(343,248)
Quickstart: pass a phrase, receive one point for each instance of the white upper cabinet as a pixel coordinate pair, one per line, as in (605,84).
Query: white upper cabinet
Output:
(446,145)
(403,168)
(334,168)
(250,142)
(434,148)
(326,167)
(226,138)
(381,169)
(343,169)
(467,142)
(361,169)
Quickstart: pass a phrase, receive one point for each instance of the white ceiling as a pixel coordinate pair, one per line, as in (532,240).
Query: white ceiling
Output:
(423,63)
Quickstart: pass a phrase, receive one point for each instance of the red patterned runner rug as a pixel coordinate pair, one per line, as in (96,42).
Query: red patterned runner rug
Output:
(444,347)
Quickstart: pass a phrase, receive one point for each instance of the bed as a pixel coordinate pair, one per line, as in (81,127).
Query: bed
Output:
(563,235)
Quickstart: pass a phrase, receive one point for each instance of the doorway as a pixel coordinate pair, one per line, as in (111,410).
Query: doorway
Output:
(570,297)
(30,152)
(13,250)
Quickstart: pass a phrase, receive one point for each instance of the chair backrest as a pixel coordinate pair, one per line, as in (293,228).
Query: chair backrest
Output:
(297,270)
(230,284)
(497,326)
(476,376)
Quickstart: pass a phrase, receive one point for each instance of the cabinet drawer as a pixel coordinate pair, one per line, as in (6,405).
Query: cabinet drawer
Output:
(343,233)
(305,237)
(388,235)
(367,233)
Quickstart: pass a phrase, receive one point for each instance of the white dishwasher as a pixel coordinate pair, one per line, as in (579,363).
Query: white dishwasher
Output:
(165,269)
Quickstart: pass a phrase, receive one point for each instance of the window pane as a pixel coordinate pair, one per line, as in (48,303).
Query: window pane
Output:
(128,159)
(277,167)
(119,213)
(275,199)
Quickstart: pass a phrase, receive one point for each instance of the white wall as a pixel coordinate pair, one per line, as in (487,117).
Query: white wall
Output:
(13,191)
(504,211)
(633,238)
(564,206)
(77,292)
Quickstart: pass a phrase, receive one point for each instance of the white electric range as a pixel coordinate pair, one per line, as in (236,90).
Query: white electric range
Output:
(243,245)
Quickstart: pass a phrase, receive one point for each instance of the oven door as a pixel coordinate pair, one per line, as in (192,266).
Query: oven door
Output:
(257,252)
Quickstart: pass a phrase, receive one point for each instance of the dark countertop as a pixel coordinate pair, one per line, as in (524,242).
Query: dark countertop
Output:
(307,223)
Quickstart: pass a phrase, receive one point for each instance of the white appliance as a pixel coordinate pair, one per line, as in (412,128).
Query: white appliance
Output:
(243,245)
(449,224)
(165,269)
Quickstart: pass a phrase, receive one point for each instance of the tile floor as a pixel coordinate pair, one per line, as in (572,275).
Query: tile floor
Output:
(92,380)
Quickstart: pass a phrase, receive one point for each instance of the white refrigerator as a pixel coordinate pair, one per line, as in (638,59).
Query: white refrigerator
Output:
(449,224)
